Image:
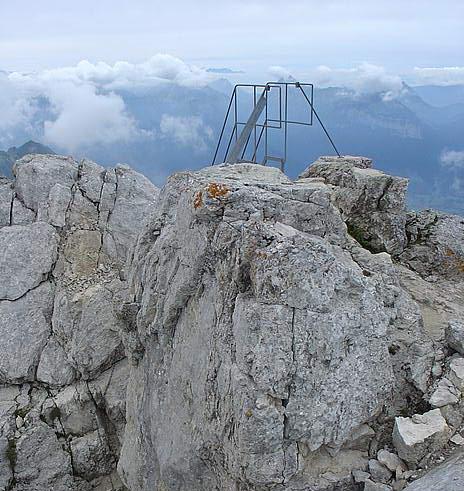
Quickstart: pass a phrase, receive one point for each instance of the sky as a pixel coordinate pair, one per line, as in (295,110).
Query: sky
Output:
(78,55)
(248,35)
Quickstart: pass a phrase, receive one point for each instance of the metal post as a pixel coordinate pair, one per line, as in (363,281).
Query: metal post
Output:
(241,141)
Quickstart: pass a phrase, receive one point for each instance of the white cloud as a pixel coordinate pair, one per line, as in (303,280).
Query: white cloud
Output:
(158,69)
(453,75)
(188,131)
(85,117)
(17,108)
(452,159)
(279,73)
(362,79)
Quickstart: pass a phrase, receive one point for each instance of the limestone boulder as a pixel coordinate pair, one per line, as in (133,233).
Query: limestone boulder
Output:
(371,202)
(41,460)
(456,373)
(415,437)
(127,196)
(89,329)
(92,455)
(46,169)
(435,244)
(248,271)
(54,367)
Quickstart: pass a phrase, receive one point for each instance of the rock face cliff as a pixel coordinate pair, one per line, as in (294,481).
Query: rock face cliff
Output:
(304,335)
(66,229)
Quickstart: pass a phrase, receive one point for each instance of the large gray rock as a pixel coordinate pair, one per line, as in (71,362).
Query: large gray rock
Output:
(435,244)
(41,462)
(27,259)
(48,170)
(54,367)
(371,202)
(254,319)
(448,476)
(133,195)
(88,329)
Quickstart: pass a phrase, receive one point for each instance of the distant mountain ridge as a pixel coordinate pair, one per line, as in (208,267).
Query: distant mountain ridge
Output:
(10,156)
(177,128)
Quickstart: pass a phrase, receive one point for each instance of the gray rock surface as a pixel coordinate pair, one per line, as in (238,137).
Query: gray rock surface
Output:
(62,363)
(6,200)
(445,393)
(435,244)
(448,476)
(258,277)
(24,333)
(28,256)
(455,335)
(269,332)
(371,202)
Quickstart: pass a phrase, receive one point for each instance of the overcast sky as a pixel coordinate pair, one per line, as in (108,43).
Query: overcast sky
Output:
(249,35)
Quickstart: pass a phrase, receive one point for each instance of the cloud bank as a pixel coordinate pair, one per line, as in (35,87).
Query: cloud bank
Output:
(363,79)
(160,68)
(279,73)
(73,108)
(453,75)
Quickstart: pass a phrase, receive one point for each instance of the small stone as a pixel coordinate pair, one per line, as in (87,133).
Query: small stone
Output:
(379,472)
(360,438)
(457,439)
(19,421)
(445,393)
(390,460)
(360,476)
(415,437)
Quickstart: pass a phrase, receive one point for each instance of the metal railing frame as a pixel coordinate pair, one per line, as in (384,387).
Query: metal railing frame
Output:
(268,123)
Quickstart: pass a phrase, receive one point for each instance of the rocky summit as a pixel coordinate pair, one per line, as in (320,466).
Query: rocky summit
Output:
(233,331)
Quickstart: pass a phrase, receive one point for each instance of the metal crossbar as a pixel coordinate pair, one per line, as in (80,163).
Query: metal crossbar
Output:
(254,130)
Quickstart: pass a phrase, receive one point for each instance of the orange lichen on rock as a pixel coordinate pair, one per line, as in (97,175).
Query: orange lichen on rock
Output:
(216,190)
(198,200)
